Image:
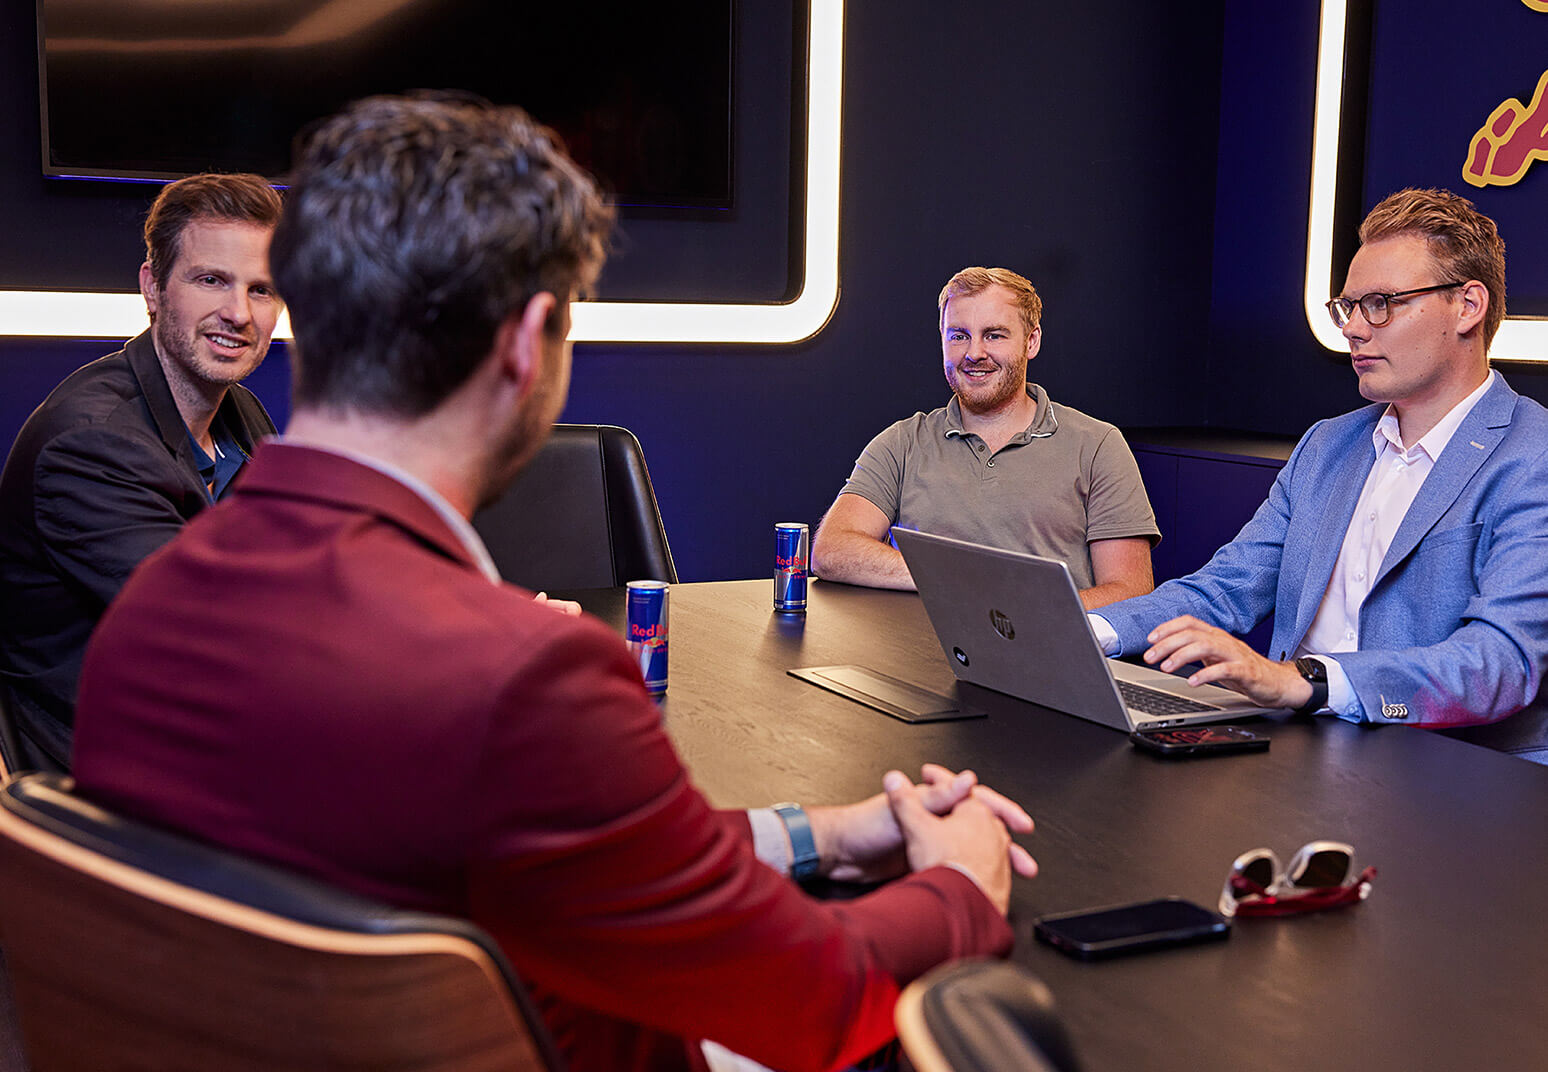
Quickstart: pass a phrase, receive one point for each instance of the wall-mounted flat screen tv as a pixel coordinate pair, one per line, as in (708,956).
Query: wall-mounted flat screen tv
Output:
(158,89)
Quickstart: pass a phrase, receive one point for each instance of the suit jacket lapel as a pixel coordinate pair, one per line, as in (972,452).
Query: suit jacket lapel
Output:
(146,366)
(1470,446)
(1340,489)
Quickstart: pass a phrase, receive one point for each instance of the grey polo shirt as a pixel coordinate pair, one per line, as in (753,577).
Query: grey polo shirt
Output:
(1066,481)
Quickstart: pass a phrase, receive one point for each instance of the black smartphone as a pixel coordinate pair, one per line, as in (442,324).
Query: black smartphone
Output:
(1199,741)
(1108,932)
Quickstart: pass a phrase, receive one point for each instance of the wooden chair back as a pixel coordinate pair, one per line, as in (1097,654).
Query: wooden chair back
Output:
(131,948)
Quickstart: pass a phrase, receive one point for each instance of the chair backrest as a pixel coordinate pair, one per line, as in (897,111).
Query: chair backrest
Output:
(582,514)
(982,1016)
(130,947)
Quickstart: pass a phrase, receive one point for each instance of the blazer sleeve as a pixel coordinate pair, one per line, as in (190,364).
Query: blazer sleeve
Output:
(610,881)
(105,500)
(1237,587)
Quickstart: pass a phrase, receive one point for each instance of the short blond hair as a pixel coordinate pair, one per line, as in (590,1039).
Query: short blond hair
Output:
(1464,243)
(972,281)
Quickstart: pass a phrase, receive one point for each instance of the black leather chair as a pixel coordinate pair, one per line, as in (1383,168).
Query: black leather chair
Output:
(130,947)
(582,514)
(982,1016)
(10,754)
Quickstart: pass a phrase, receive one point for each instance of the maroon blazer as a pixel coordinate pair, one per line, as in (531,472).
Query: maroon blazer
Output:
(315,673)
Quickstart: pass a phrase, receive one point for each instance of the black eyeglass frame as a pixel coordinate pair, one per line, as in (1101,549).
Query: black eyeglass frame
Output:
(1347,306)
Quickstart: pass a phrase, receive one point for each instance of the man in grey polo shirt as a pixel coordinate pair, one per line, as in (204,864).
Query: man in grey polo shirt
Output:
(1000,464)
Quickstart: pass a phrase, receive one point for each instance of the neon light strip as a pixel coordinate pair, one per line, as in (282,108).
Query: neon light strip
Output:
(1324,175)
(1519,339)
(119,316)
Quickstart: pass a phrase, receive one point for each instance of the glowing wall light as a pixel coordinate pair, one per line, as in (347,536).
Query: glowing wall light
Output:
(1519,338)
(96,315)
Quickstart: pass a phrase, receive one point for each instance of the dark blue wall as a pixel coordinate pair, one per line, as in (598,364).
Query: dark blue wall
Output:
(1146,166)
(1074,142)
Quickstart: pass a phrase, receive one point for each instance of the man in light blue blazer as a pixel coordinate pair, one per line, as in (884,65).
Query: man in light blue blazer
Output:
(1403,549)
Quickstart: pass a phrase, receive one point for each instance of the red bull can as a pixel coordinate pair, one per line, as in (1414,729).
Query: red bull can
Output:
(647,637)
(792,549)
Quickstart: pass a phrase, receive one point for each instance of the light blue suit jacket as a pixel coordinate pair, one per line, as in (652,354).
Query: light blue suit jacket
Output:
(1454,631)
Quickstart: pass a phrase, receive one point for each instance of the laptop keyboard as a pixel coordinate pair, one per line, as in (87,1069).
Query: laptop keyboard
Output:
(1155,702)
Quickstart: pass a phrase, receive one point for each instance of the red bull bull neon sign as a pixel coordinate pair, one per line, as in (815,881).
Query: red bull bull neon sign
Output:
(1513,138)
(1500,152)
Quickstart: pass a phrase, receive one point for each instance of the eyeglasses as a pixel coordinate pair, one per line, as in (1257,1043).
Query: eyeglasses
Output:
(1318,877)
(1376,308)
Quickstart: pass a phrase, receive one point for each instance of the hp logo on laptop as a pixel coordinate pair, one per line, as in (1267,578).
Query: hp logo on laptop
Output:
(1002,624)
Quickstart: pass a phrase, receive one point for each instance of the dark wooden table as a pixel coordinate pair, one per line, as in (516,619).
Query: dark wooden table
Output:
(1445,967)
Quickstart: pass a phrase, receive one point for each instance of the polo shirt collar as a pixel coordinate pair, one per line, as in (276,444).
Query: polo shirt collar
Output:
(218,471)
(1044,423)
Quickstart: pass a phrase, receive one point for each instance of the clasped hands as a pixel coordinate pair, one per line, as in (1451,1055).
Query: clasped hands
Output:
(948,818)
(1227,662)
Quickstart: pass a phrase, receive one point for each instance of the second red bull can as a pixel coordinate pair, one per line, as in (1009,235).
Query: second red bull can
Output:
(792,550)
(647,631)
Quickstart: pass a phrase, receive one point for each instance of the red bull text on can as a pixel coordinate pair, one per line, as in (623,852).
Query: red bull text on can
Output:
(792,548)
(647,631)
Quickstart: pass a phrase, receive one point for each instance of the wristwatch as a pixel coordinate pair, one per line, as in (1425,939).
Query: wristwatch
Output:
(805,861)
(1315,673)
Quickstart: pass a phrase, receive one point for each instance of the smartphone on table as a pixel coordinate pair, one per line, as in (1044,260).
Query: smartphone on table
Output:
(1198,741)
(1107,932)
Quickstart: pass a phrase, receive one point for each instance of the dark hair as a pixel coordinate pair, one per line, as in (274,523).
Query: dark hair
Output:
(236,198)
(1463,242)
(414,226)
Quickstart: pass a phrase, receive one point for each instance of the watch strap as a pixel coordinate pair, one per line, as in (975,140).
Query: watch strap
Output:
(804,860)
(1315,673)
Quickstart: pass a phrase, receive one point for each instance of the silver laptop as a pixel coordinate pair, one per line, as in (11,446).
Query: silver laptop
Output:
(1014,623)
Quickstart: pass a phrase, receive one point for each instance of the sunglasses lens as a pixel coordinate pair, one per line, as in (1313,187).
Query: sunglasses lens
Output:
(1260,872)
(1322,869)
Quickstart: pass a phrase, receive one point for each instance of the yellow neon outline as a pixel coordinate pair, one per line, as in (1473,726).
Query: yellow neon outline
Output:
(1517,114)
(1520,338)
(118,316)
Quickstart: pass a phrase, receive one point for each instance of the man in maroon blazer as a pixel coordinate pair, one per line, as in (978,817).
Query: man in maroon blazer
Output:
(366,702)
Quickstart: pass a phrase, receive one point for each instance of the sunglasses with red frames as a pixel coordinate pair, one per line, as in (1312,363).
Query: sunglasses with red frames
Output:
(1321,875)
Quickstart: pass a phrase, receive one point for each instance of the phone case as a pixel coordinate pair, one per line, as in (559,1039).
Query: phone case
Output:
(1198,741)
